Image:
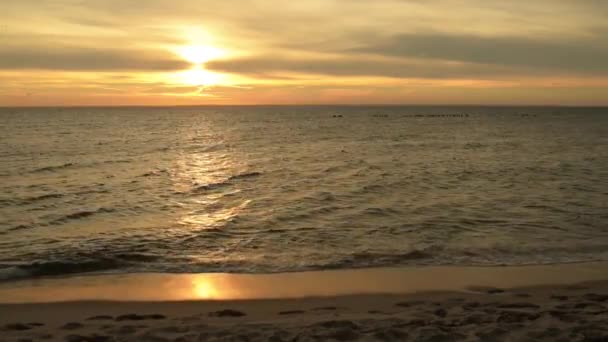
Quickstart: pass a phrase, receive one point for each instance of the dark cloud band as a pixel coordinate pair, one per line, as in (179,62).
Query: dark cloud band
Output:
(588,55)
(84,59)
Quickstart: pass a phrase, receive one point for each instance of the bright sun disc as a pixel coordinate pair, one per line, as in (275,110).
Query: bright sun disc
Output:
(198,54)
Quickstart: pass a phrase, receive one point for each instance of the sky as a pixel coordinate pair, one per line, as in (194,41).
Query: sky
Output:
(196,52)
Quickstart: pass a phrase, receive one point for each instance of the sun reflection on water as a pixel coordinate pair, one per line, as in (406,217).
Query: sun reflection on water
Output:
(203,289)
(211,199)
(211,219)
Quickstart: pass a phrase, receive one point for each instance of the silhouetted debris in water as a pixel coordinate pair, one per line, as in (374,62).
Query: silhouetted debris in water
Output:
(17,326)
(90,338)
(100,318)
(518,306)
(136,317)
(441,312)
(291,312)
(72,326)
(245,175)
(227,313)
(596,297)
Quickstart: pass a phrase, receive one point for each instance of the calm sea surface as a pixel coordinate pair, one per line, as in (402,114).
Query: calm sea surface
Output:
(273,189)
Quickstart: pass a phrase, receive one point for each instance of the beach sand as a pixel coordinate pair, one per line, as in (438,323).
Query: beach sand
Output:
(573,307)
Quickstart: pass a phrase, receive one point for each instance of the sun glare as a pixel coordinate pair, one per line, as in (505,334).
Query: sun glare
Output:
(199,54)
(198,76)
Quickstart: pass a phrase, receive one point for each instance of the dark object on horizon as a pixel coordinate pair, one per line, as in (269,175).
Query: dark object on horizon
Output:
(227,313)
(291,312)
(100,317)
(136,317)
(72,326)
(90,338)
(17,327)
(493,291)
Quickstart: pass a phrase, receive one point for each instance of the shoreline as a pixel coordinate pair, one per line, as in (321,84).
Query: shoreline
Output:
(534,303)
(329,283)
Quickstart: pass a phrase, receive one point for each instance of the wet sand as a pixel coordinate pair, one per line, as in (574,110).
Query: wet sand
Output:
(571,307)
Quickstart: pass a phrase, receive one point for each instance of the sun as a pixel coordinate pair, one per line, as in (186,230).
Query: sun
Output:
(199,54)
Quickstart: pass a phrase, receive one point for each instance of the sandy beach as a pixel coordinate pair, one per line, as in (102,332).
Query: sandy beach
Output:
(573,307)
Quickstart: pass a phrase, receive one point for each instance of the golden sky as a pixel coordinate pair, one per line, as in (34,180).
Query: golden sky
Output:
(183,52)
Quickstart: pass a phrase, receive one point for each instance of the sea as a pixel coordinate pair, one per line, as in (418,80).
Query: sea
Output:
(265,189)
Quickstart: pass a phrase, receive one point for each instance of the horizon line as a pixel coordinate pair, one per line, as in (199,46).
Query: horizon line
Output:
(308,105)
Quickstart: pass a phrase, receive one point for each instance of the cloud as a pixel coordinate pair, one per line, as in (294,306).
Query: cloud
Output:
(588,55)
(364,66)
(86,59)
(351,49)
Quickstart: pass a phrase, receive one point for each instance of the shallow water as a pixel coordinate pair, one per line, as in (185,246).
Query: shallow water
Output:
(273,189)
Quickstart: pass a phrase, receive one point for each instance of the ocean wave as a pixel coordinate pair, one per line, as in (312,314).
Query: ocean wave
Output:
(33,199)
(138,257)
(53,268)
(226,183)
(52,168)
(117,161)
(19,227)
(509,193)
(6,201)
(80,214)
(381,211)
(159,261)
(76,263)
(385,257)
(154,173)
(210,186)
(373,259)
(12,272)
(245,175)
(473,146)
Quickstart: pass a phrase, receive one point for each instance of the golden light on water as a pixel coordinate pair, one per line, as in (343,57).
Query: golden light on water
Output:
(203,289)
